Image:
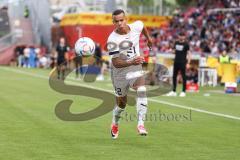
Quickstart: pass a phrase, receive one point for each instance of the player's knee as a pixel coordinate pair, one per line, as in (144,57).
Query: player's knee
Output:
(142,96)
(141,89)
(142,92)
(121,102)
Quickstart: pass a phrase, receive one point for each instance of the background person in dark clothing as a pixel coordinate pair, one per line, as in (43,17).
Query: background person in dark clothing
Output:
(192,75)
(181,62)
(19,51)
(61,49)
(98,54)
(78,66)
(99,62)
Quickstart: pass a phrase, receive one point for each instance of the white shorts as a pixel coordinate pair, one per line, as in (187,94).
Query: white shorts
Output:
(121,86)
(124,78)
(122,82)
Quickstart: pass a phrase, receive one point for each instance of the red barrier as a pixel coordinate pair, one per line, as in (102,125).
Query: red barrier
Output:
(7,55)
(98,33)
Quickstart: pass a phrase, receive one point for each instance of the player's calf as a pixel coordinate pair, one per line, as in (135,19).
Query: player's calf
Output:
(115,121)
(141,109)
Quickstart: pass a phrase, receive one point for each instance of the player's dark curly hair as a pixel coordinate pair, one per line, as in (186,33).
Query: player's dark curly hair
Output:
(117,12)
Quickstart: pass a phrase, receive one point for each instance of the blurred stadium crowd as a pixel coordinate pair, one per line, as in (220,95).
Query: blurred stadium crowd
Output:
(209,31)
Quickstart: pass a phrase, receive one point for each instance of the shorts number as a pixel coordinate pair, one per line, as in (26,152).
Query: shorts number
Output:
(118,91)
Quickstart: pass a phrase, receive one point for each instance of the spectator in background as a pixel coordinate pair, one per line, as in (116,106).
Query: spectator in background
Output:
(32,57)
(78,66)
(205,47)
(26,12)
(43,62)
(69,58)
(61,51)
(26,57)
(224,58)
(192,75)
(98,54)
(53,59)
(99,61)
(19,51)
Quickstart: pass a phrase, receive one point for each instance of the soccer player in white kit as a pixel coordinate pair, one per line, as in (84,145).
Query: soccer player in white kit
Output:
(123,46)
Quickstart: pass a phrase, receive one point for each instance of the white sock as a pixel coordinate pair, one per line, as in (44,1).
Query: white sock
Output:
(141,110)
(117,114)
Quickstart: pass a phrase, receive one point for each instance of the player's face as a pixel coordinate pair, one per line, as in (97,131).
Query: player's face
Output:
(120,21)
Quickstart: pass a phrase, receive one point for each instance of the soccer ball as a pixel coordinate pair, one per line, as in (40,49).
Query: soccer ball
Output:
(84,47)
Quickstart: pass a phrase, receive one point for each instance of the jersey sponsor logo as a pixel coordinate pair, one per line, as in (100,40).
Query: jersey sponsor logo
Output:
(124,45)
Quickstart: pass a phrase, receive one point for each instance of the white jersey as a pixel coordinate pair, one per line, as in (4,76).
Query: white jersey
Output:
(126,47)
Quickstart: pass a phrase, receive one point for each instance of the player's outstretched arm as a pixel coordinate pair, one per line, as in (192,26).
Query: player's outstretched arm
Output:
(120,63)
(148,37)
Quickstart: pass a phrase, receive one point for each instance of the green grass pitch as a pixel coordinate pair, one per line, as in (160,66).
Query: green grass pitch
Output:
(30,130)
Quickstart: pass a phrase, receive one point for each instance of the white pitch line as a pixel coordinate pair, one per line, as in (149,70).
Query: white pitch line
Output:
(150,99)
(195,109)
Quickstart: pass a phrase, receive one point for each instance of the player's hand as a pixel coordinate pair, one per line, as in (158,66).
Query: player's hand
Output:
(150,43)
(138,60)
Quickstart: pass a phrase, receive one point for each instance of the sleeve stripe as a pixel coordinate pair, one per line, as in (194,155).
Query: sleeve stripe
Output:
(115,52)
